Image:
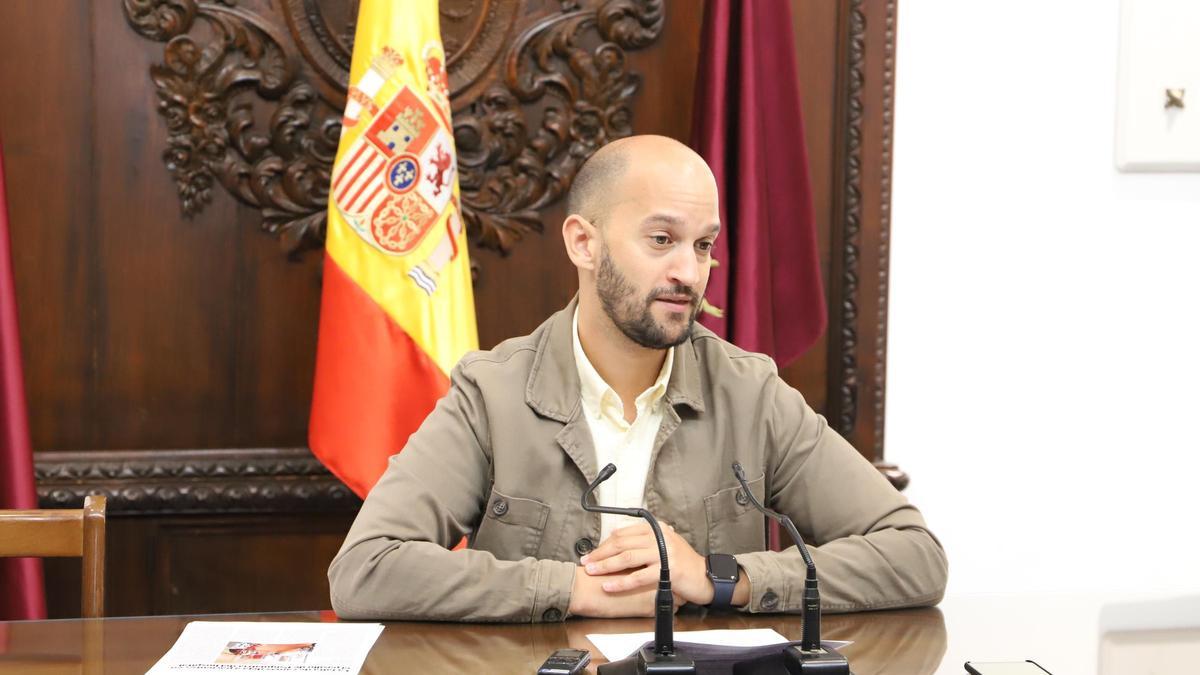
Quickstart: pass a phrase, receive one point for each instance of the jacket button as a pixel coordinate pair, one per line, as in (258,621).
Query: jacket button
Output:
(500,507)
(584,546)
(741,498)
(769,600)
(552,614)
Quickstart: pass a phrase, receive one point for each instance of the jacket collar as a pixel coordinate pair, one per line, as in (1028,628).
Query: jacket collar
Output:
(553,386)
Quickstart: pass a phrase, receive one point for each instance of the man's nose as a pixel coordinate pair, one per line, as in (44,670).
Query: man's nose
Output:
(685,268)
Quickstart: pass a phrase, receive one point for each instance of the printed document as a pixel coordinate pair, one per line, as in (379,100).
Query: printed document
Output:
(245,647)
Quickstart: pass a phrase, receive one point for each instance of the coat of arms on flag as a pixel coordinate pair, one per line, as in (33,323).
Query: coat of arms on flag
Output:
(397,178)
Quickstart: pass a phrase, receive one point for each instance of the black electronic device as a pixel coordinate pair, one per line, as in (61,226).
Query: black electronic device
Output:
(1005,668)
(661,657)
(723,572)
(809,656)
(566,662)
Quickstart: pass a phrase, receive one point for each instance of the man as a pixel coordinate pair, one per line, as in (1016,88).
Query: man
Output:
(623,375)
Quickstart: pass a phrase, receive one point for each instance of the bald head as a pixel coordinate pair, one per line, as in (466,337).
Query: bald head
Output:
(605,177)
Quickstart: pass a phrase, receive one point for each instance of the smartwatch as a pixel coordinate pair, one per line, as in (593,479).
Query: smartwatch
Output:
(723,572)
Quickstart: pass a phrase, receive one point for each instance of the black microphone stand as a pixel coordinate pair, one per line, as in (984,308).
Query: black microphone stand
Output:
(810,656)
(662,657)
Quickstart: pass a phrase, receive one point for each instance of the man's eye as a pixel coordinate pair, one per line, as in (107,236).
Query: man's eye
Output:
(705,246)
(660,239)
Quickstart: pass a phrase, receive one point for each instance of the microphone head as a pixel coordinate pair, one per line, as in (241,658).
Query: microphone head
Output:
(737,471)
(606,472)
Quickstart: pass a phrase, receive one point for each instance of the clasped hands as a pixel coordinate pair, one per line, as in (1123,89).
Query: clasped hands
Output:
(620,577)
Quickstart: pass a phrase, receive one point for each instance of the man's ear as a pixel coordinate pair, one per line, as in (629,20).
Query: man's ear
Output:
(582,241)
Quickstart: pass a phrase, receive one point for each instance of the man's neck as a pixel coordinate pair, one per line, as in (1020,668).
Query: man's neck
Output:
(626,366)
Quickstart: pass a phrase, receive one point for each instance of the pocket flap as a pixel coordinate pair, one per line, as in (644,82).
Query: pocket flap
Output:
(726,504)
(517,510)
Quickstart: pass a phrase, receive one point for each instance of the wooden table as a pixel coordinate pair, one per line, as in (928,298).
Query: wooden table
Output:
(1059,631)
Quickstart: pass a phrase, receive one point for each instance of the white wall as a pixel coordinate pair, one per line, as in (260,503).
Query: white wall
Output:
(1044,344)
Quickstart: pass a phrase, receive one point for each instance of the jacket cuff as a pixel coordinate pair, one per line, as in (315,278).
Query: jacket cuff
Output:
(552,590)
(770,590)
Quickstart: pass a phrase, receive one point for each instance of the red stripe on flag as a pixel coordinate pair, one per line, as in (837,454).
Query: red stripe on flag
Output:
(366,203)
(342,179)
(366,183)
(373,386)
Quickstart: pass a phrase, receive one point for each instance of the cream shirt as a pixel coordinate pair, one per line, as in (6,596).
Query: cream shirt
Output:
(626,445)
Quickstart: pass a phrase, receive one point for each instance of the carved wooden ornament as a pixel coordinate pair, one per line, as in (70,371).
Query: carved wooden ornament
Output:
(252,97)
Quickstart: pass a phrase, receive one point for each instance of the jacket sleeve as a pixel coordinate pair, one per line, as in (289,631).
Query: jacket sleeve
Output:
(396,562)
(871,547)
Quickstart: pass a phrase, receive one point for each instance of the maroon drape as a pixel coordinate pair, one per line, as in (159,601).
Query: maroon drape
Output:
(21,594)
(748,127)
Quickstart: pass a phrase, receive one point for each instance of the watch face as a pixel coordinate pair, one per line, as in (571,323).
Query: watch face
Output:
(723,567)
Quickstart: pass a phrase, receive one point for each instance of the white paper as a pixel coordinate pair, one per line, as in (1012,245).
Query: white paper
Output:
(619,645)
(245,647)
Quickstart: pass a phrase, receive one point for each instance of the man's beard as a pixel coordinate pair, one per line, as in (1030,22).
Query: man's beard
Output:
(633,316)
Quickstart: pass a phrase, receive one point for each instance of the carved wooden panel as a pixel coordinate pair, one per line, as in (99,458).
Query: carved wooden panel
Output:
(859,269)
(561,89)
(259,480)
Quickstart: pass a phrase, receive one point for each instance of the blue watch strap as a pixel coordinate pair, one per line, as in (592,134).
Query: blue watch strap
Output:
(722,585)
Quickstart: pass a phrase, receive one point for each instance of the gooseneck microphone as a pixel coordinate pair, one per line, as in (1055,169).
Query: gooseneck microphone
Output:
(662,659)
(811,657)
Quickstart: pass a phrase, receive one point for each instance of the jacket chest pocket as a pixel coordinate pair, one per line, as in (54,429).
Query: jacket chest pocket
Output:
(511,527)
(734,525)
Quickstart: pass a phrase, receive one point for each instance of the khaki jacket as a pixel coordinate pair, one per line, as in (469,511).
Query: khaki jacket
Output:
(506,454)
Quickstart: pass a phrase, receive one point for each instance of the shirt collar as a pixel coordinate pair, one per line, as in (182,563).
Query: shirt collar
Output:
(594,390)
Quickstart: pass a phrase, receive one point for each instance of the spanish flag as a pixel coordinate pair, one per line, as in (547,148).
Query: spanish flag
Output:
(396,306)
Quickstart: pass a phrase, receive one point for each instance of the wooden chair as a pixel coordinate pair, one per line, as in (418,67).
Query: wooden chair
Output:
(63,533)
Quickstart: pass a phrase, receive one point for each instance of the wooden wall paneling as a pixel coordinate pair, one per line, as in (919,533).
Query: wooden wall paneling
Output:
(46,126)
(150,328)
(223,564)
(815,26)
(153,492)
(858,267)
(210,563)
(209,337)
(165,332)
(881,61)
(845,56)
(130,335)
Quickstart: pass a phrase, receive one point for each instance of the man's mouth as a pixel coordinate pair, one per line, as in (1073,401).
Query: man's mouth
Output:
(678,303)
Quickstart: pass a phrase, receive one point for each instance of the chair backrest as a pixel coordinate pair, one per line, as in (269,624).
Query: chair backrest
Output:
(62,533)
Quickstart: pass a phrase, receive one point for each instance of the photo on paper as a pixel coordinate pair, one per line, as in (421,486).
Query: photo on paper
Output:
(257,647)
(258,652)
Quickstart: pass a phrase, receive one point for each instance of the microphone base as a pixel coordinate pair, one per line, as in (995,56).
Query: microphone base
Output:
(820,661)
(649,661)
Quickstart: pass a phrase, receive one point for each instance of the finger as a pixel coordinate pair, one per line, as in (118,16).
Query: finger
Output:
(643,578)
(615,545)
(625,560)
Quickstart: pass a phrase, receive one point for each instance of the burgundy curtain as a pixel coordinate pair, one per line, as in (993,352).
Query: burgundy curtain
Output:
(749,128)
(21,594)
